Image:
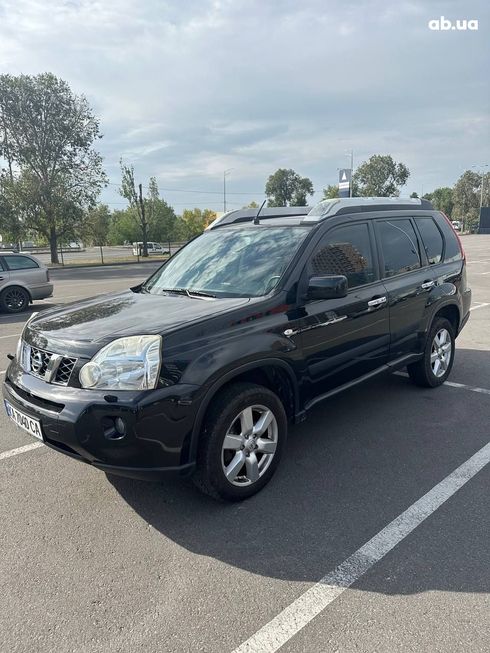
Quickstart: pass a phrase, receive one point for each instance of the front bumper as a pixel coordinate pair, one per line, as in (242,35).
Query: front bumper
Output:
(79,423)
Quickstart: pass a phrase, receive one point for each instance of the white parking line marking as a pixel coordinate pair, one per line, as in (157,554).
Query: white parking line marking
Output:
(2,371)
(12,335)
(473,308)
(453,384)
(24,449)
(305,608)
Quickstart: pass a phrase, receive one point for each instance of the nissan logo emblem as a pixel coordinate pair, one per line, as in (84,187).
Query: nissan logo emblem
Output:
(36,362)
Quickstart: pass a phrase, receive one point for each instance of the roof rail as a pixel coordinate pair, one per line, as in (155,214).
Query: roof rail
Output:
(328,208)
(247,215)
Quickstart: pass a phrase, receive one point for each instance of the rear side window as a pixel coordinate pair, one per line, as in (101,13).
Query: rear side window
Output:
(399,246)
(452,251)
(431,239)
(21,263)
(345,250)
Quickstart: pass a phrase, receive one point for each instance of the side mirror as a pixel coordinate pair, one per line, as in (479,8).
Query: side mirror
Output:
(327,287)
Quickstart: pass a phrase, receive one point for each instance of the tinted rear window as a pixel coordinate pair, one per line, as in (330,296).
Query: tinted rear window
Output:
(431,239)
(452,251)
(399,246)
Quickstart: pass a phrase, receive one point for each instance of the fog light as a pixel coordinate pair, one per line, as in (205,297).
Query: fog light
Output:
(120,426)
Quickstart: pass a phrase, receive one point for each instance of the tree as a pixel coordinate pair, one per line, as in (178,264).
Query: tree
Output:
(11,225)
(124,228)
(196,220)
(380,176)
(161,216)
(136,202)
(47,137)
(414,195)
(97,225)
(442,200)
(253,205)
(467,197)
(330,192)
(287,188)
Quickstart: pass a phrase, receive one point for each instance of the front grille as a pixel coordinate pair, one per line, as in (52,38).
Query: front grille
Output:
(65,368)
(53,368)
(39,361)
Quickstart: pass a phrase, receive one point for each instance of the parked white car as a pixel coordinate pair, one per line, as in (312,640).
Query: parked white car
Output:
(456,225)
(153,248)
(22,280)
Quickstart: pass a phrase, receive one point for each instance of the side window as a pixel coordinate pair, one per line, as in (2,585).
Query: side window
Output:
(20,263)
(399,246)
(1,267)
(431,239)
(345,250)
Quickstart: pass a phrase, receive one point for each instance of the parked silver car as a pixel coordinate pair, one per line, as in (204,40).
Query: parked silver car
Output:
(22,280)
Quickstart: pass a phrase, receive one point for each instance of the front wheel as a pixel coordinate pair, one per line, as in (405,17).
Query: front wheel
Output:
(242,442)
(434,368)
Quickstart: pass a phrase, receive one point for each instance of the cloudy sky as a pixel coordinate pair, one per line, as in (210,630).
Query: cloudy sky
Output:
(186,89)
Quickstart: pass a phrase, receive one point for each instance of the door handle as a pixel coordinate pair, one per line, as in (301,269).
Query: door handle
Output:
(427,285)
(377,301)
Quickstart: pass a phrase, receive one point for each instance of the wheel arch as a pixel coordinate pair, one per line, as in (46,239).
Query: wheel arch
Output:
(273,373)
(452,313)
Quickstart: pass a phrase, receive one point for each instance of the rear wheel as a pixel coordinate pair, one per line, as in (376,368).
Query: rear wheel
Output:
(435,366)
(14,299)
(242,442)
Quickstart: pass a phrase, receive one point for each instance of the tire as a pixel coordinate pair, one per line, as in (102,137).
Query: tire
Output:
(435,366)
(14,299)
(234,414)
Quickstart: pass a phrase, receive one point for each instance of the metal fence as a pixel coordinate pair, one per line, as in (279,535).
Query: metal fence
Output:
(107,255)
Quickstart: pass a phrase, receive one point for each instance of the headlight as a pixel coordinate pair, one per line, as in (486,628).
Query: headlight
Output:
(20,350)
(125,364)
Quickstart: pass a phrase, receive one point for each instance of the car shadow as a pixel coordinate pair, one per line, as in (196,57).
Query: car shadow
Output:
(345,475)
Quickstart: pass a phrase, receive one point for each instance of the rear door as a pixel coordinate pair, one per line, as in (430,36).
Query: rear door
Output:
(408,280)
(346,337)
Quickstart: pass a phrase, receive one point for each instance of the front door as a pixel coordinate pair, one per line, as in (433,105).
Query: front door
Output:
(346,337)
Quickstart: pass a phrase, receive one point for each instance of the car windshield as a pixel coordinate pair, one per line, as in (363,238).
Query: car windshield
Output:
(230,262)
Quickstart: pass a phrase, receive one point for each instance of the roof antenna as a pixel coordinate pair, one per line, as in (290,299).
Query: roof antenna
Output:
(256,219)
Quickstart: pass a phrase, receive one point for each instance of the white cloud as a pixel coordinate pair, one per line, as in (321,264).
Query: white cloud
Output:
(187,90)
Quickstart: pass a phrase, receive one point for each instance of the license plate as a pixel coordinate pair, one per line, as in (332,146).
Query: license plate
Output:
(29,424)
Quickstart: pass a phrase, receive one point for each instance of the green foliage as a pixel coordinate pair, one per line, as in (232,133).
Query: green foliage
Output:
(414,195)
(96,226)
(380,176)
(286,188)
(442,200)
(195,221)
(330,192)
(253,205)
(47,135)
(124,228)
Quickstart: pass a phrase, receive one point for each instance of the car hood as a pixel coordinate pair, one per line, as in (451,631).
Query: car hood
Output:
(101,319)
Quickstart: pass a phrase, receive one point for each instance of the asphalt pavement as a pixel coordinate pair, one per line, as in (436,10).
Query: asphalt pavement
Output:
(96,564)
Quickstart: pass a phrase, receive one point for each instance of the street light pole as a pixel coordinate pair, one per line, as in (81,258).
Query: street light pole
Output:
(482,167)
(225,174)
(351,154)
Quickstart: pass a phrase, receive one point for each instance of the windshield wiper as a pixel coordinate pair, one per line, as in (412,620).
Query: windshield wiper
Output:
(189,293)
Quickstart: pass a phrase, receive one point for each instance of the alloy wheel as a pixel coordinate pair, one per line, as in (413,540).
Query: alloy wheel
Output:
(15,300)
(440,355)
(249,445)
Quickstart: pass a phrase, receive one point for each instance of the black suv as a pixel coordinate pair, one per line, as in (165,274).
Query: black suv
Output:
(198,370)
